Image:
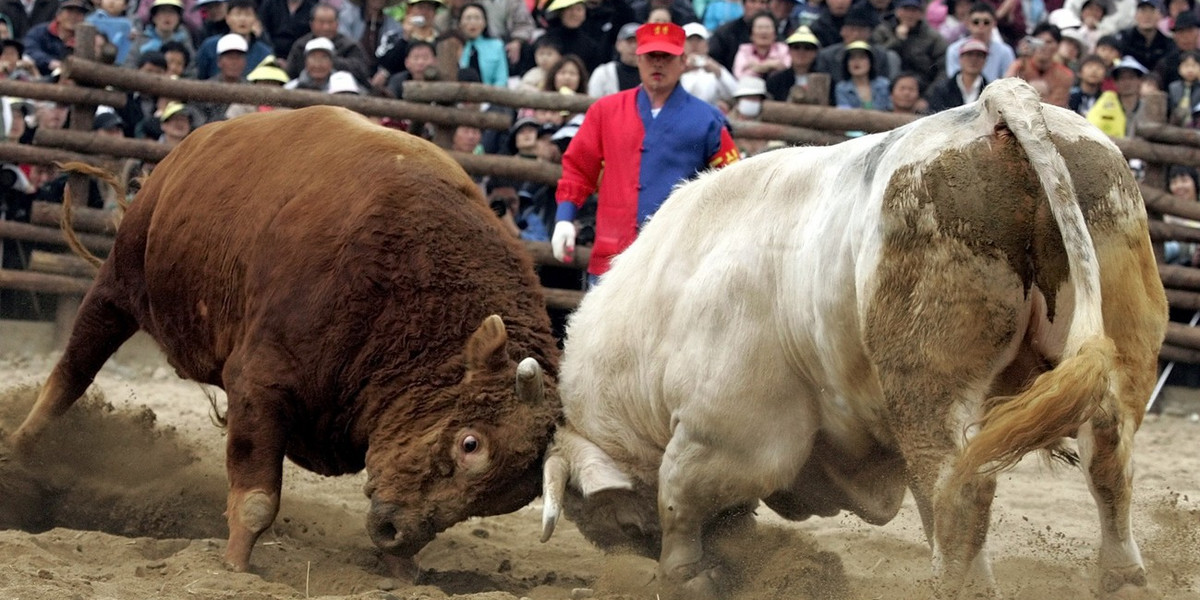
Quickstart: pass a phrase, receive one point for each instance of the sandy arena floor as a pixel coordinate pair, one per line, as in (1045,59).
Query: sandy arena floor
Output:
(127,502)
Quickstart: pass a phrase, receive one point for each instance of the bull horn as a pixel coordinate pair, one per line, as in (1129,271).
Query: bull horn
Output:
(530,387)
(555,472)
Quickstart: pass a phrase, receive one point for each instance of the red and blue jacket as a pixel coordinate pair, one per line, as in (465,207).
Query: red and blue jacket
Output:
(636,159)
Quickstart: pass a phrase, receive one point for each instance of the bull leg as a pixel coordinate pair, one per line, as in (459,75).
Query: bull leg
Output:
(955,519)
(100,328)
(699,481)
(1105,451)
(257,439)
(685,502)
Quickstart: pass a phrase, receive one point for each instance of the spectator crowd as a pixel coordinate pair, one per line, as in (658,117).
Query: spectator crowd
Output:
(1095,57)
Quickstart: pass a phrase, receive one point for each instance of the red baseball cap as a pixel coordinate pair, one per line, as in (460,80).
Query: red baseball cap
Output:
(660,37)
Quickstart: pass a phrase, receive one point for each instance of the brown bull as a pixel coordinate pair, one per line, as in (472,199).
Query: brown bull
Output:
(349,289)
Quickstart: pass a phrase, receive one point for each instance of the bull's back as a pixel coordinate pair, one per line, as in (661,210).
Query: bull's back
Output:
(244,206)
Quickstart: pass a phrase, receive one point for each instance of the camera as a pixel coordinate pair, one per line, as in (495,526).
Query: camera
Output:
(418,21)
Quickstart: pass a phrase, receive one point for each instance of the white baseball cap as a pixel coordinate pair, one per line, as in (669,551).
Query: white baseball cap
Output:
(232,42)
(342,82)
(319,43)
(695,29)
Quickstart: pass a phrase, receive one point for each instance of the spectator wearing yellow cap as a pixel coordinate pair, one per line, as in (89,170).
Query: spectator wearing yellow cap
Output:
(566,26)
(267,74)
(791,85)
(862,86)
(348,55)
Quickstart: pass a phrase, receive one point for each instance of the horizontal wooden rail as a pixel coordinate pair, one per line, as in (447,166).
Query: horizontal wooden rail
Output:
(26,154)
(451,92)
(60,264)
(45,283)
(27,232)
(94,73)
(84,220)
(65,94)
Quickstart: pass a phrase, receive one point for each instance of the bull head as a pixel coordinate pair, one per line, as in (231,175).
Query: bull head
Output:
(472,449)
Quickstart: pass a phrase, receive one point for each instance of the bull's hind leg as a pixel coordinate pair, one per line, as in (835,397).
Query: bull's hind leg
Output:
(940,327)
(256,441)
(101,326)
(1135,318)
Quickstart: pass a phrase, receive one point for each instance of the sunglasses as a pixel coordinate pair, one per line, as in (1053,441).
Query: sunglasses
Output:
(981,21)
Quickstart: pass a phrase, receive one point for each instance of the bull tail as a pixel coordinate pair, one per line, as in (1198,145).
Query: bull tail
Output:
(1061,400)
(68,207)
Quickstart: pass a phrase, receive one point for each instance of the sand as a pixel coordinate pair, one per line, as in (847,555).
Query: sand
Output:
(127,496)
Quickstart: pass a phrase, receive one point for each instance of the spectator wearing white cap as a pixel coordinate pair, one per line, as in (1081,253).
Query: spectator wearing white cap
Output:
(622,73)
(231,63)
(704,77)
(1128,74)
(748,100)
(318,66)
(348,55)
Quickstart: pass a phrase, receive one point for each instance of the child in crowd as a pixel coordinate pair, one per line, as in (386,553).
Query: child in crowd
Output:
(1092,74)
(166,24)
(546,52)
(110,20)
(1184,93)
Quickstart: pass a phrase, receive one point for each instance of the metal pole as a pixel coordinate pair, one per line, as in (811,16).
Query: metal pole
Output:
(1162,379)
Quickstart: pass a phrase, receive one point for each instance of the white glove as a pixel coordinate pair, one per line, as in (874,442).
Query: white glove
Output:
(562,242)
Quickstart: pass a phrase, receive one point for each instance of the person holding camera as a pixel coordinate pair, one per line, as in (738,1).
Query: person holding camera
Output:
(645,140)
(1037,65)
(705,78)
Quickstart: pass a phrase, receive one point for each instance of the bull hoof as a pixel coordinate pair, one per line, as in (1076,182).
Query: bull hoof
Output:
(704,585)
(237,564)
(21,444)
(1124,583)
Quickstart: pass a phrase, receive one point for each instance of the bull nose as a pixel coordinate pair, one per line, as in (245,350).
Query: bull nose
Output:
(381,525)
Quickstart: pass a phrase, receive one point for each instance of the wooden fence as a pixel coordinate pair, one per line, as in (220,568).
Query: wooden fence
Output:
(425,103)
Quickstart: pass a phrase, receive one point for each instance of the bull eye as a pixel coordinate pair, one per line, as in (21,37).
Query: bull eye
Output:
(469,444)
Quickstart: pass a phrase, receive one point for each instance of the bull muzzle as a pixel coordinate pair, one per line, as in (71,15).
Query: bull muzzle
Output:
(395,532)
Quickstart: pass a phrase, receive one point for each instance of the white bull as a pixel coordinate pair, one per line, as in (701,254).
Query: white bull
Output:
(820,328)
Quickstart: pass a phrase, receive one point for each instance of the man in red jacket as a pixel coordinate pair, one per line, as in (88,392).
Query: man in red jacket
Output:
(644,141)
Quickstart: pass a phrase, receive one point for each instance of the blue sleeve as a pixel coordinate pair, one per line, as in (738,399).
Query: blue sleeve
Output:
(566,211)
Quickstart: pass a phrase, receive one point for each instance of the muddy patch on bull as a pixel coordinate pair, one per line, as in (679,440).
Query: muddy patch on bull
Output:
(103,469)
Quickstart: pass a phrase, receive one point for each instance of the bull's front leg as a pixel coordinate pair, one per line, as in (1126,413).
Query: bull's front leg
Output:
(254,462)
(696,482)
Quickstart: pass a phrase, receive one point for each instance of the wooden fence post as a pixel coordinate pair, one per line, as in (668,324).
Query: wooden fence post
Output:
(82,116)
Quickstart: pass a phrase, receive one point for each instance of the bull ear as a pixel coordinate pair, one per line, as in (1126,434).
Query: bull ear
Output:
(487,348)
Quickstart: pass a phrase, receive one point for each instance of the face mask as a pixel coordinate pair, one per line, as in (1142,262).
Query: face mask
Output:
(749,108)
